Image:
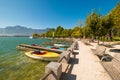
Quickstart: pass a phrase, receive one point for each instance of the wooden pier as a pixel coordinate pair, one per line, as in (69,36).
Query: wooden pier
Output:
(39,48)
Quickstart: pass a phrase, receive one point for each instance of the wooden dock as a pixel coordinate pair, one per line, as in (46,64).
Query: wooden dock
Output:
(40,48)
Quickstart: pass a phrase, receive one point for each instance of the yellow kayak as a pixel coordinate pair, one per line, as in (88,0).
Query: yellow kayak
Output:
(44,55)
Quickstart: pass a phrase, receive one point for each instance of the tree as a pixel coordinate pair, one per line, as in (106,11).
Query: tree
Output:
(65,33)
(58,31)
(35,35)
(76,32)
(109,23)
(115,13)
(92,22)
(50,33)
(86,32)
(96,24)
(69,32)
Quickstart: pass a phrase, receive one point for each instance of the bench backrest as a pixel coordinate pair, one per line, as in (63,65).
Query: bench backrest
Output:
(100,50)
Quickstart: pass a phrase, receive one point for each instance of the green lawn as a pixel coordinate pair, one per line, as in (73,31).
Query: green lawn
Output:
(116,38)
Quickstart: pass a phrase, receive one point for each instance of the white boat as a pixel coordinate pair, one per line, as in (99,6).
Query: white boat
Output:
(59,45)
(31,37)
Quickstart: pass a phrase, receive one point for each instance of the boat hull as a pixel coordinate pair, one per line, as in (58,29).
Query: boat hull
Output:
(50,56)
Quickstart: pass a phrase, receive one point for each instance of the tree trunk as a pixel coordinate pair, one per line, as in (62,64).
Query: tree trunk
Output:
(103,39)
(110,35)
(98,40)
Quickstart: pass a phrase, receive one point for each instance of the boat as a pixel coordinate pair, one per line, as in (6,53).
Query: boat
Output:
(54,47)
(31,37)
(43,55)
(35,45)
(59,45)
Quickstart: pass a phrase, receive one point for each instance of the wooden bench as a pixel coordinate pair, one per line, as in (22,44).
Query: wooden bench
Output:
(100,51)
(86,42)
(113,67)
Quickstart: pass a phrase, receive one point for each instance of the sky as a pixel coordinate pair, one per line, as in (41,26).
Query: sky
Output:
(41,14)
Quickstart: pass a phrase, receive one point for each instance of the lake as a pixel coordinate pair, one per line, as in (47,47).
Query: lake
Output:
(14,65)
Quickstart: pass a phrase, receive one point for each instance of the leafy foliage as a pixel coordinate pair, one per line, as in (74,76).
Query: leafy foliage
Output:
(115,13)
(65,33)
(95,24)
(58,31)
(50,33)
(76,32)
(35,35)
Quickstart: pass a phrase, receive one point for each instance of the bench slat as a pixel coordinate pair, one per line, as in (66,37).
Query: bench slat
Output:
(100,50)
(117,56)
(113,72)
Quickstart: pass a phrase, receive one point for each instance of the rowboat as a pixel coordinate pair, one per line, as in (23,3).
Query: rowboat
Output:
(43,55)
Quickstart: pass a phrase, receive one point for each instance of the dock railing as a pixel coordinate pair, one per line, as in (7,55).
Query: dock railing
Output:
(53,70)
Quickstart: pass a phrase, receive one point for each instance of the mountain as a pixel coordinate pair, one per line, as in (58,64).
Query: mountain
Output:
(20,30)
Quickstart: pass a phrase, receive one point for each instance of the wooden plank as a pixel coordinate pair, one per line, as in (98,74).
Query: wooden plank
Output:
(112,71)
(117,56)
(114,66)
(40,48)
(116,63)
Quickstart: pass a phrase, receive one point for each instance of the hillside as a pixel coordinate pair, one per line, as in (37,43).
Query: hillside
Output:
(20,30)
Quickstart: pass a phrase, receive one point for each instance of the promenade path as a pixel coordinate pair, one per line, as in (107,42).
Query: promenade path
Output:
(85,66)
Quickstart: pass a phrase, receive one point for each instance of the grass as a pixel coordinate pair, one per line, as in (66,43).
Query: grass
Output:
(116,38)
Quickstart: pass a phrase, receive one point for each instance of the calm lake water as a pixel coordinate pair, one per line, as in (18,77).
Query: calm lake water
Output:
(14,65)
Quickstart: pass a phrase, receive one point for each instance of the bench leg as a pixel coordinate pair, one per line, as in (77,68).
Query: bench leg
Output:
(104,57)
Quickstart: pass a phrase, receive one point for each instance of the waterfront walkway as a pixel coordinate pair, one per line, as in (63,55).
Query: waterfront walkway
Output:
(85,66)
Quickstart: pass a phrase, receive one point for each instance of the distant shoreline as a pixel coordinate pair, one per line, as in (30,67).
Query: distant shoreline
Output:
(14,35)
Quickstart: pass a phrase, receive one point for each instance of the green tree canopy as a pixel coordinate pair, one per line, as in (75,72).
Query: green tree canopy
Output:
(49,33)
(92,22)
(58,31)
(65,33)
(115,13)
(35,35)
(76,32)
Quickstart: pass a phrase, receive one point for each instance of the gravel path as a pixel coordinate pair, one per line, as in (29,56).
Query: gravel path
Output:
(85,66)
